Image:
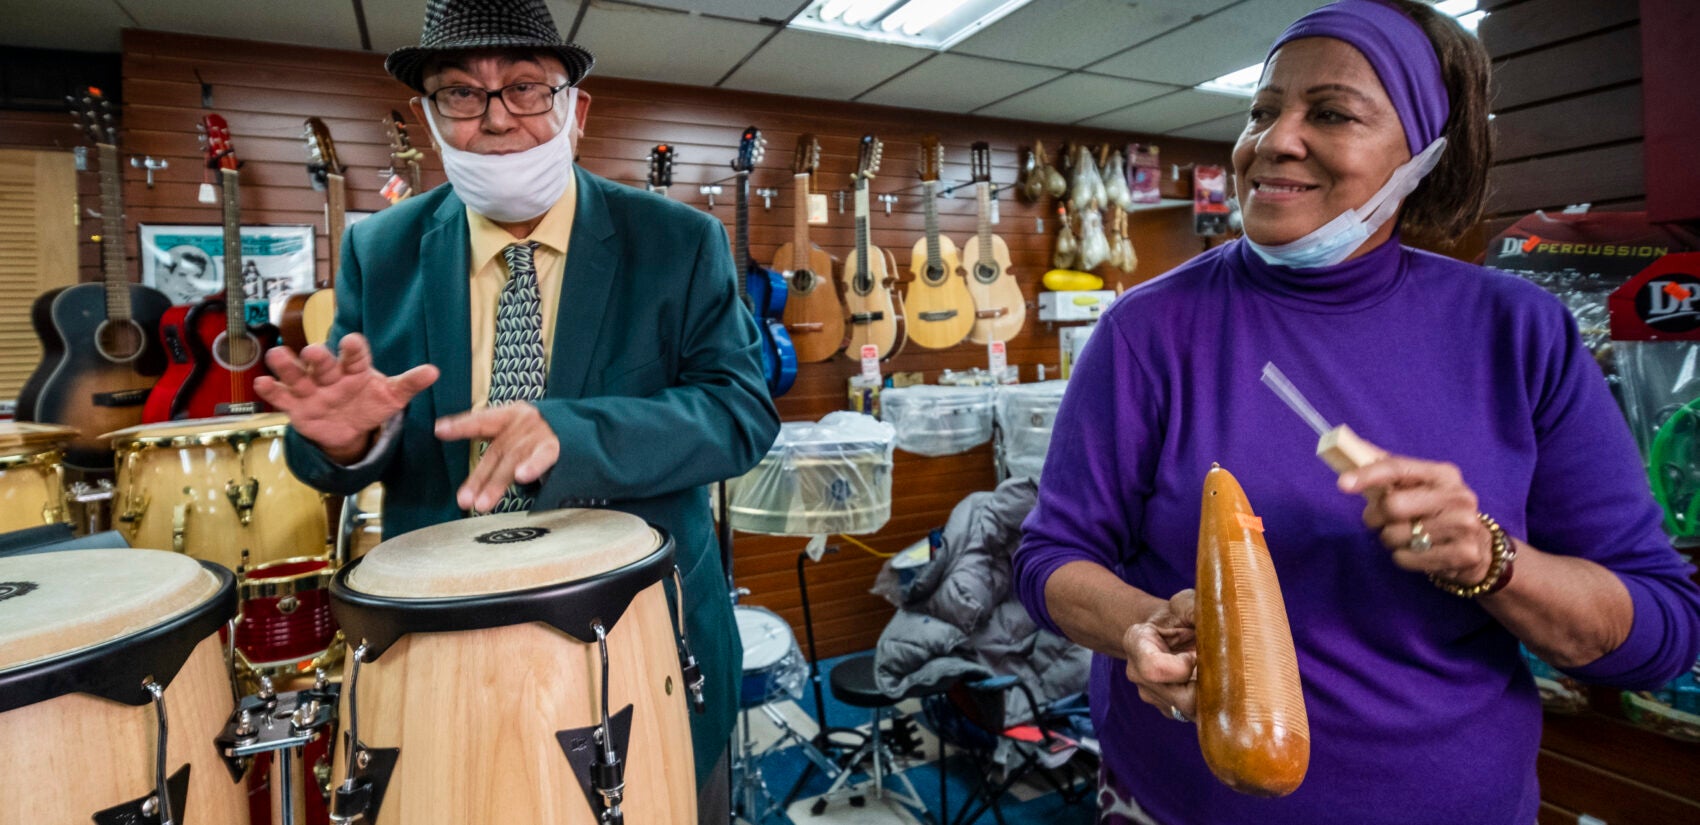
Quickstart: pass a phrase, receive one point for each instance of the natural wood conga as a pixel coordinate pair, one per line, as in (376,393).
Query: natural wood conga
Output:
(482,669)
(82,634)
(32,477)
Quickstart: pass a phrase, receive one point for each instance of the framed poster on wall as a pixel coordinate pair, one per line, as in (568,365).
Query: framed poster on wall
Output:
(186,262)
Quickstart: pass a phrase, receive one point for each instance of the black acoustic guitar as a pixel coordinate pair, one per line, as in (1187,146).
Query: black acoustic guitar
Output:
(100,342)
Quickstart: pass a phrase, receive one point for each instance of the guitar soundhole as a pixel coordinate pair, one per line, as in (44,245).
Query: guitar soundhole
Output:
(120,341)
(236,354)
(935,274)
(803,281)
(985,273)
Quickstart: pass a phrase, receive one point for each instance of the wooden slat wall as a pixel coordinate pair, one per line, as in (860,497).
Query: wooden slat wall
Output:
(55,130)
(265,90)
(1567,105)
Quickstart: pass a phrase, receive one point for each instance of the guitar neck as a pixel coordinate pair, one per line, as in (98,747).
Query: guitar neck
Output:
(863,281)
(800,220)
(929,196)
(983,191)
(112,235)
(234,295)
(413,177)
(742,245)
(336,214)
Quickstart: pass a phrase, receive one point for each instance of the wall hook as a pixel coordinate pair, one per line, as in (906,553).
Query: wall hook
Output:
(840,195)
(206,89)
(710,190)
(767,194)
(149,163)
(888,200)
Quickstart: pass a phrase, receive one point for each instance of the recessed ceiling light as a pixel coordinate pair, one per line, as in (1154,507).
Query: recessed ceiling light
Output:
(930,24)
(1244,81)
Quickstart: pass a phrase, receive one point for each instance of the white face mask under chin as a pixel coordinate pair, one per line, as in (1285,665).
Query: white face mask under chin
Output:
(517,186)
(1336,240)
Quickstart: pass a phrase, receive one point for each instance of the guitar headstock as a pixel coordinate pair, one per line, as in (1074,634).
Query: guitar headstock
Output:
(751,148)
(808,155)
(215,138)
(94,115)
(401,148)
(661,166)
(932,157)
(868,160)
(981,161)
(321,153)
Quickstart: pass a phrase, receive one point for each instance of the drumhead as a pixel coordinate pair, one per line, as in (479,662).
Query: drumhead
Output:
(29,437)
(503,553)
(766,636)
(53,604)
(200,430)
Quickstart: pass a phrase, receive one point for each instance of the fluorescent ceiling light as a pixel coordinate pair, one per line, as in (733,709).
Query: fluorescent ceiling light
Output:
(1243,82)
(930,24)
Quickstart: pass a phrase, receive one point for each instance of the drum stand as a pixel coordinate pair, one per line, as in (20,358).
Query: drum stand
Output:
(281,724)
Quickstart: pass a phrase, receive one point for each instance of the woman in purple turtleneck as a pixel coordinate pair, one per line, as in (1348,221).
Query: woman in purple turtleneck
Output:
(1406,613)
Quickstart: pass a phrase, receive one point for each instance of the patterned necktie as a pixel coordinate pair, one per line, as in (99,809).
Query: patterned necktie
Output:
(516,369)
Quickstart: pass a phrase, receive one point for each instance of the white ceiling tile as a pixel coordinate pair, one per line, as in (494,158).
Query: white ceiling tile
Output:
(1070,98)
(1211,47)
(393,24)
(81,25)
(331,25)
(1073,33)
(650,44)
(954,83)
(1172,112)
(751,10)
(816,65)
(1226,129)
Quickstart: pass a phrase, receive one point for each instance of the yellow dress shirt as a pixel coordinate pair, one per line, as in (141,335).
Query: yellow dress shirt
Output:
(489,274)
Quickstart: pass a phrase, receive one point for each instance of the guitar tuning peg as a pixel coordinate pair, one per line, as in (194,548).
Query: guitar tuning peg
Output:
(888,200)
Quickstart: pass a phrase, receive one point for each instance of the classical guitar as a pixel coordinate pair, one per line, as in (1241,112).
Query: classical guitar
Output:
(763,289)
(938,307)
(873,310)
(1000,308)
(99,341)
(660,169)
(815,313)
(215,353)
(307,316)
(404,161)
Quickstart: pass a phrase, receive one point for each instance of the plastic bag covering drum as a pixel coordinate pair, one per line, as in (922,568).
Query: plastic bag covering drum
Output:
(1025,413)
(774,667)
(831,476)
(933,420)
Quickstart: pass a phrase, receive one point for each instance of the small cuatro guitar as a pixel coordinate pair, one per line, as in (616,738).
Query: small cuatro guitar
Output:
(1000,307)
(215,354)
(940,311)
(873,310)
(101,352)
(814,315)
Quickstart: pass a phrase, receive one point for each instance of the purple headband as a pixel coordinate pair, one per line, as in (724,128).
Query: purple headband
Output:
(1398,50)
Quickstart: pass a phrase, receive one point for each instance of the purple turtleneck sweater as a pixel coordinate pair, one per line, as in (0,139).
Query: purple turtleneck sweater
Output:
(1420,708)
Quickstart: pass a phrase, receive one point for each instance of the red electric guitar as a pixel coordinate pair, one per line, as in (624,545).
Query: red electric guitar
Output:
(215,353)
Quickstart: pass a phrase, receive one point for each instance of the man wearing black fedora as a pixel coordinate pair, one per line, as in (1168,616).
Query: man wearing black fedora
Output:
(582,342)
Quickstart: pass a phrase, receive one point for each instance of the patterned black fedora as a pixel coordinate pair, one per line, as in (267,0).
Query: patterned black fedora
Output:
(464,25)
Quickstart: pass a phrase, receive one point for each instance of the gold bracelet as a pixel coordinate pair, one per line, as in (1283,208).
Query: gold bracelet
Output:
(1499,570)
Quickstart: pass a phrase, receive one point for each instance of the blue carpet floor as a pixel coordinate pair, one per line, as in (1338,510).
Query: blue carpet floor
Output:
(784,763)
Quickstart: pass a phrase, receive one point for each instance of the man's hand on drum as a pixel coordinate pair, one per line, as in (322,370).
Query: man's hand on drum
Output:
(1162,658)
(338,401)
(522,448)
(1426,515)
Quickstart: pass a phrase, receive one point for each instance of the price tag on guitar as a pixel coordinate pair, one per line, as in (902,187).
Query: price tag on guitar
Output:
(997,359)
(871,363)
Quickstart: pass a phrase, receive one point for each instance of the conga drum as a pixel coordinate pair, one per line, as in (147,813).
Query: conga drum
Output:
(110,662)
(32,476)
(517,668)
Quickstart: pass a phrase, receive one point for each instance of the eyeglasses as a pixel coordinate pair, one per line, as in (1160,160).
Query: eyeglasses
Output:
(522,99)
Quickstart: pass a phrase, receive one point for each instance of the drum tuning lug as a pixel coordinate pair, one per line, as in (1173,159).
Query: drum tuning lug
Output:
(245,726)
(320,680)
(364,760)
(600,775)
(242,497)
(361,795)
(267,692)
(305,715)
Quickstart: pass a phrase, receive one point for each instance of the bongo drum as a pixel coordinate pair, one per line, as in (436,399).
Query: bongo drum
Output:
(516,668)
(112,686)
(32,476)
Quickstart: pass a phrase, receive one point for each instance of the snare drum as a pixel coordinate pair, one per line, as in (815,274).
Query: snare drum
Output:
(773,665)
(32,476)
(477,656)
(106,656)
(217,489)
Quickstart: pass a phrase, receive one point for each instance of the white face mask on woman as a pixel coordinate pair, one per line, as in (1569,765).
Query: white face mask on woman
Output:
(1334,242)
(514,187)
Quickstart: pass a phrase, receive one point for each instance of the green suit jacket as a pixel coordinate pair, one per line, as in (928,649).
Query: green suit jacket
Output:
(655,387)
